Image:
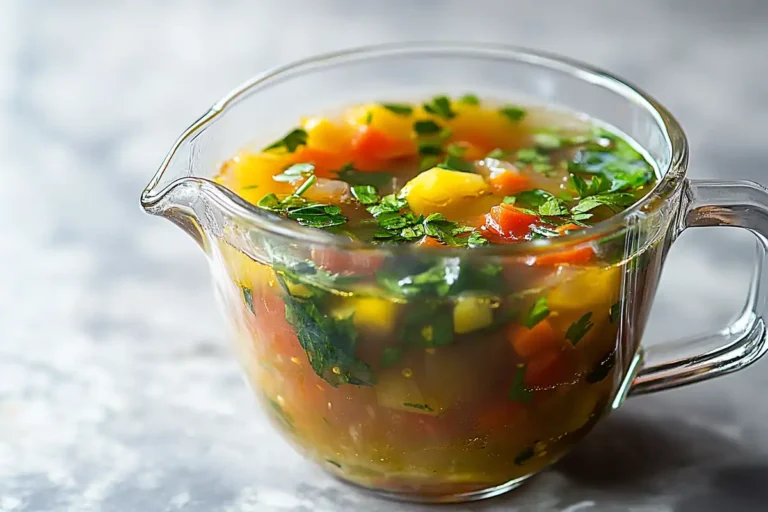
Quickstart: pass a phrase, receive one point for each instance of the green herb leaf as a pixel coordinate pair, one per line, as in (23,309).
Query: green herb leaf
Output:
(426,127)
(538,312)
(430,148)
(369,117)
(612,200)
(440,106)
(333,463)
(499,154)
(513,113)
(428,162)
(353,177)
(389,204)
(390,356)
(328,342)
(533,198)
(421,407)
(531,156)
(614,312)
(475,239)
(305,186)
(553,207)
(469,99)
(317,215)
(248,298)
(538,232)
(455,163)
(366,194)
(250,187)
(398,108)
(518,391)
(509,200)
(602,368)
(456,150)
(269,202)
(547,141)
(295,172)
(579,329)
(290,142)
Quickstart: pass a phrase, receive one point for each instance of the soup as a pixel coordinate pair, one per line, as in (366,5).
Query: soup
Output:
(439,374)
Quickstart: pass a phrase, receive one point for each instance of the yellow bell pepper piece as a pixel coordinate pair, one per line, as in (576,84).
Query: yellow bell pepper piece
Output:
(326,135)
(472,313)
(454,194)
(250,175)
(371,314)
(398,126)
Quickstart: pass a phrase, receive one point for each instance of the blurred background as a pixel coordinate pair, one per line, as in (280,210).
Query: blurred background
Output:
(117,390)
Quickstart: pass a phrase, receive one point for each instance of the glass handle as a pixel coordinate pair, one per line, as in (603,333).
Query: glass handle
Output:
(716,203)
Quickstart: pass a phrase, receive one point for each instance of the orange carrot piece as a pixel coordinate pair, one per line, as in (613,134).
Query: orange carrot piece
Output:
(509,182)
(509,221)
(541,337)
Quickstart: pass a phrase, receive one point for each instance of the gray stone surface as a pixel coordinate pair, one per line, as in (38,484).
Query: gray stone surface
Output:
(117,389)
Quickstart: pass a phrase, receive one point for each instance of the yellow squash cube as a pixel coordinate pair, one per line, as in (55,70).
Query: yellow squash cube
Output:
(454,194)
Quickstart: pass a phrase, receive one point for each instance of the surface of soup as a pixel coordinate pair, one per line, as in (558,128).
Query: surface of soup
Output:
(427,374)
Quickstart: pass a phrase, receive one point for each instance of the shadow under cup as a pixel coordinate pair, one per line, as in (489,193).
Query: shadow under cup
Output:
(376,381)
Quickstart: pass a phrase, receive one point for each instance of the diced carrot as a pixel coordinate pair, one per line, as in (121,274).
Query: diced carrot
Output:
(578,256)
(371,145)
(509,182)
(510,221)
(548,369)
(528,342)
(568,227)
(324,161)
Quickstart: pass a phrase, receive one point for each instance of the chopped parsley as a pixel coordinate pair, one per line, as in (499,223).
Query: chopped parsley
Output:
(602,368)
(513,113)
(291,142)
(248,298)
(456,163)
(499,154)
(469,99)
(365,194)
(427,147)
(398,108)
(295,172)
(353,177)
(426,127)
(614,312)
(578,329)
(328,342)
(547,141)
(441,107)
(538,312)
(306,213)
(518,392)
(553,207)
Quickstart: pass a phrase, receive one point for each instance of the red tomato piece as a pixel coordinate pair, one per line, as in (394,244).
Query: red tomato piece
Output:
(509,221)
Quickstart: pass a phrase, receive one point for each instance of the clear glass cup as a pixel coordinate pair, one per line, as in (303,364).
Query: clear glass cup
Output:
(457,417)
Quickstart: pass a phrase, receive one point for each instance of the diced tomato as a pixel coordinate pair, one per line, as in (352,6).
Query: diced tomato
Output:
(509,221)
(324,161)
(528,342)
(549,368)
(371,147)
(509,182)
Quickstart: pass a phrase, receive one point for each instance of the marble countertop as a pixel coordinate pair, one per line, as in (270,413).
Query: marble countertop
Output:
(117,388)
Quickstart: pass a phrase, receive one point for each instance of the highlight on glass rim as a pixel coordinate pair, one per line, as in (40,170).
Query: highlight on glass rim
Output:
(433,375)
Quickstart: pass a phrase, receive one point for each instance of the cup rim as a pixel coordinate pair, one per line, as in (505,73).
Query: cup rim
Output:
(270,223)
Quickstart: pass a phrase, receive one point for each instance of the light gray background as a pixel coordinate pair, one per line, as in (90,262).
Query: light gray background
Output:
(117,390)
